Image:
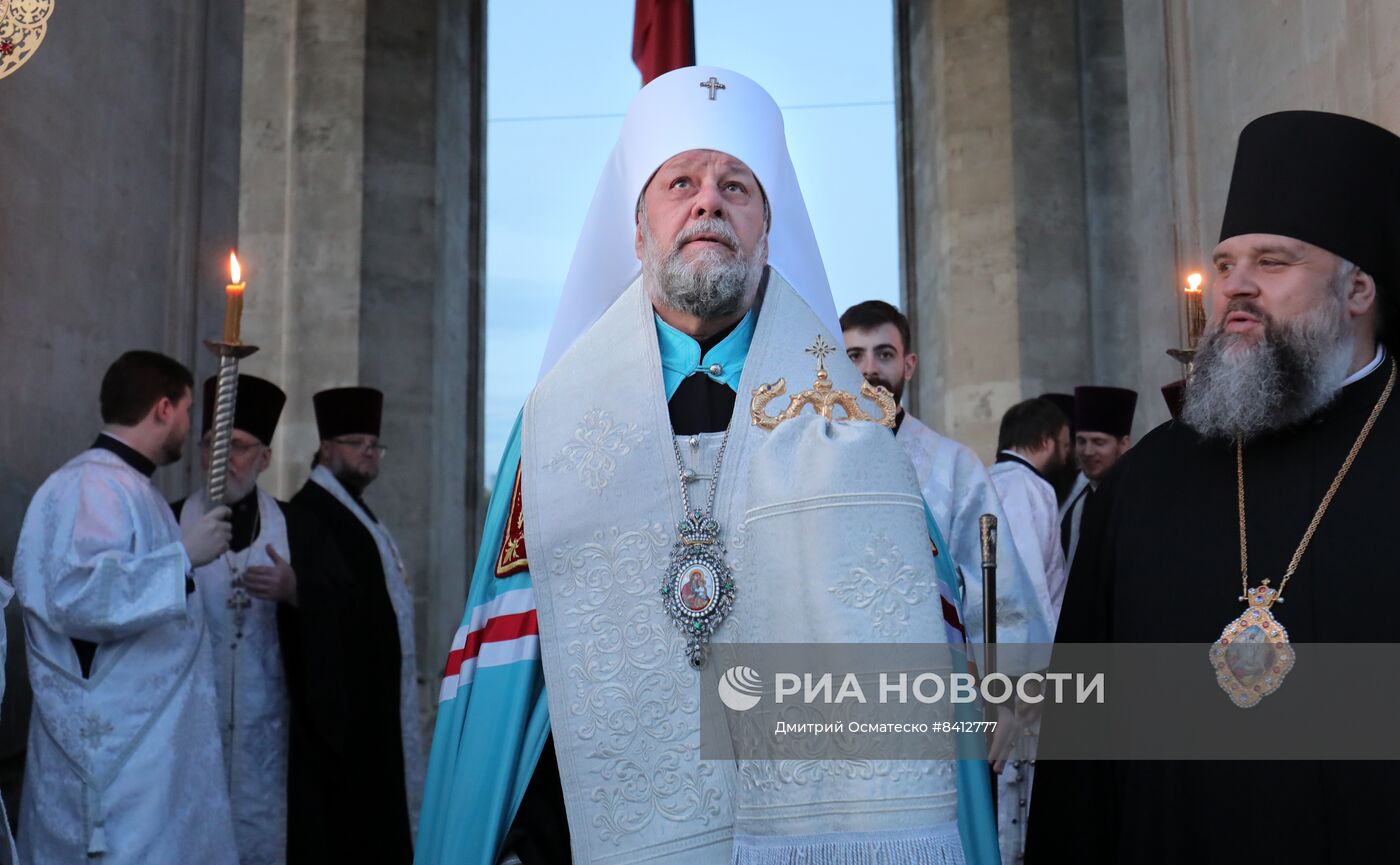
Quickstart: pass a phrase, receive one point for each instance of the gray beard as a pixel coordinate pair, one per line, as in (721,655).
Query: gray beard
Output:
(713,285)
(1241,391)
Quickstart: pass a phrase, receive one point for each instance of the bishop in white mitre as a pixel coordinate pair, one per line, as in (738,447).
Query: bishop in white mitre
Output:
(124,764)
(569,717)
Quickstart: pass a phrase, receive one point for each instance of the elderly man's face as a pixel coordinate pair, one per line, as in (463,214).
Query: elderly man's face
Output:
(1269,276)
(247,458)
(702,240)
(699,185)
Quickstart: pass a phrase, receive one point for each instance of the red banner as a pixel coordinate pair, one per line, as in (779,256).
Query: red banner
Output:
(663,37)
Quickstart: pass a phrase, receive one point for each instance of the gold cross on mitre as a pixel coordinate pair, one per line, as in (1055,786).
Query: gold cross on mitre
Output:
(714,85)
(823,396)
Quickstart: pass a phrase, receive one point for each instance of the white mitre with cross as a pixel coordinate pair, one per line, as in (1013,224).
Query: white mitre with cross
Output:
(694,108)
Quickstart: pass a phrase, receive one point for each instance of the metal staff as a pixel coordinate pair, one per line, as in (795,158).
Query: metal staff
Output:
(987,523)
(225,401)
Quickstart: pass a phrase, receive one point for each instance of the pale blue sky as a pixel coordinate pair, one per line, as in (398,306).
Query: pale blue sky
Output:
(559,78)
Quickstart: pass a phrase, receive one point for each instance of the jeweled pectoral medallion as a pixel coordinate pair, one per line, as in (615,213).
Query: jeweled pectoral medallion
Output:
(697,589)
(1252,655)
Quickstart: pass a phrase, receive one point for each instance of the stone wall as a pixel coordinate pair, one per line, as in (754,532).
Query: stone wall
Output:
(362,184)
(339,147)
(118,206)
(959,228)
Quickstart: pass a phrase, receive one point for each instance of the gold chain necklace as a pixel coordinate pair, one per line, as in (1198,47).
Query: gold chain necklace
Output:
(1252,655)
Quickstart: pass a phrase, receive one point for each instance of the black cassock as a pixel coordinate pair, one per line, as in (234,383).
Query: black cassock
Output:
(346,797)
(1159,562)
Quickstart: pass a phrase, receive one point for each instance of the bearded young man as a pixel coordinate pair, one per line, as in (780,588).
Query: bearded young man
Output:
(1275,486)
(568,721)
(954,482)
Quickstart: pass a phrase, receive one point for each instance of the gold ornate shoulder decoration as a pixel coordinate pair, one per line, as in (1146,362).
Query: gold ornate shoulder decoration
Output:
(23,25)
(822,396)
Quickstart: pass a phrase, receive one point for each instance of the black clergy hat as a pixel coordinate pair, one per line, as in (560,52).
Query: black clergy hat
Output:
(257,410)
(1065,403)
(1174,395)
(1104,409)
(1325,179)
(348,411)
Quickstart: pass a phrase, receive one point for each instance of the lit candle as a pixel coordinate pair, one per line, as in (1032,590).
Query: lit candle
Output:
(1195,310)
(233,297)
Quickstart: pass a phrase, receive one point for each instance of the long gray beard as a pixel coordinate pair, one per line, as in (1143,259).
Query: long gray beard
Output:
(1241,391)
(713,285)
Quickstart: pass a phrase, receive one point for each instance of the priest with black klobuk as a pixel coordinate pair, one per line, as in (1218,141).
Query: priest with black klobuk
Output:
(1276,485)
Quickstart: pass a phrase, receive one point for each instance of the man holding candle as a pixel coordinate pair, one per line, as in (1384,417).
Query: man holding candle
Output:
(273,601)
(1277,484)
(124,763)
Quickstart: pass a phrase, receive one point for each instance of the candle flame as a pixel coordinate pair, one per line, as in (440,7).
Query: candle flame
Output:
(234,270)
(1193,283)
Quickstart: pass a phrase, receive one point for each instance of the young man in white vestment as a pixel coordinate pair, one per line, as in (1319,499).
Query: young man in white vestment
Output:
(1033,447)
(954,482)
(568,726)
(124,765)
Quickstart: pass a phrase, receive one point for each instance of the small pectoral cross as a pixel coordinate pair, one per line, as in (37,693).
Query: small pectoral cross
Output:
(240,603)
(714,85)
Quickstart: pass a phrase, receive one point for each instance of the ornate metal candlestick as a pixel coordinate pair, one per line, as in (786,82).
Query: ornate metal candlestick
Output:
(225,401)
(230,350)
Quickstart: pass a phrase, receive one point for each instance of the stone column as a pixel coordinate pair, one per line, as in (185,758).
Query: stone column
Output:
(1018,275)
(362,194)
(302,196)
(958,237)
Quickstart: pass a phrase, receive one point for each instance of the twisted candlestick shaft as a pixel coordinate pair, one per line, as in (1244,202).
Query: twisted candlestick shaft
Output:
(987,526)
(225,398)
